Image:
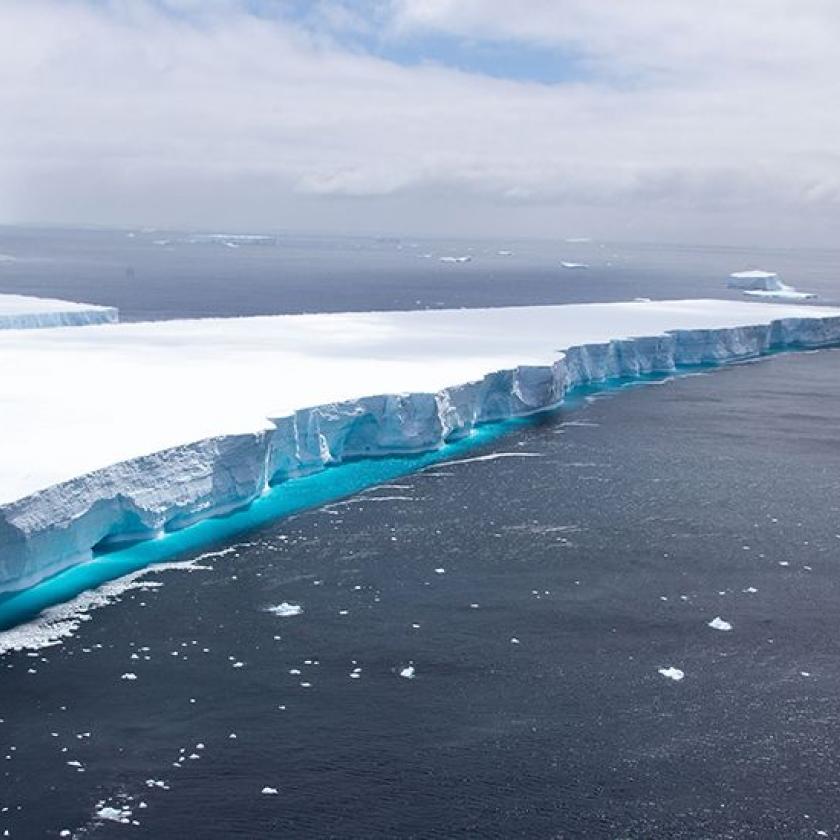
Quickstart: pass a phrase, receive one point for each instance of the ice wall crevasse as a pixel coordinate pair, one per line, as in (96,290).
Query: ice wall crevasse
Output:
(61,526)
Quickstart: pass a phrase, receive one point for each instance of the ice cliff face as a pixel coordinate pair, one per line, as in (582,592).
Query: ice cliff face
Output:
(62,525)
(19,312)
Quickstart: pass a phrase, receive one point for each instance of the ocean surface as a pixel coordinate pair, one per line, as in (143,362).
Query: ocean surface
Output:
(471,646)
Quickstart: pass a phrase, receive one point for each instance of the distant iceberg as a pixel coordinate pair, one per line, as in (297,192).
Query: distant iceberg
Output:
(573,265)
(765,284)
(464,259)
(20,312)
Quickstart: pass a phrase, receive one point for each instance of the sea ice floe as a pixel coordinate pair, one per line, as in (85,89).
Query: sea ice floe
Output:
(573,265)
(269,791)
(717,623)
(285,610)
(407,672)
(108,812)
(672,673)
(128,676)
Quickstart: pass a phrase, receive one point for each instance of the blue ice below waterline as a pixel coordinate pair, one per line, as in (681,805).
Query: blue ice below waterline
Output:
(284,499)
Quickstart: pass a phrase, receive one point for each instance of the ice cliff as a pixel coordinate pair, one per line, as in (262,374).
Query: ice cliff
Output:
(60,525)
(19,312)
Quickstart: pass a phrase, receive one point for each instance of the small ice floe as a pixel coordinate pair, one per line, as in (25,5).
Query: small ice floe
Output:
(440,571)
(285,610)
(641,300)
(465,259)
(717,623)
(577,239)
(407,672)
(750,590)
(505,253)
(269,791)
(804,673)
(128,676)
(573,265)
(108,812)
(672,673)
(765,284)
(514,640)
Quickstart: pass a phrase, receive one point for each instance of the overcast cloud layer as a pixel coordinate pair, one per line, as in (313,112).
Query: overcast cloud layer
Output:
(675,119)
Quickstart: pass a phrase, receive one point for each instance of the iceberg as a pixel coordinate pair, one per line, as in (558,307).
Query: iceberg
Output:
(20,312)
(573,265)
(765,284)
(122,432)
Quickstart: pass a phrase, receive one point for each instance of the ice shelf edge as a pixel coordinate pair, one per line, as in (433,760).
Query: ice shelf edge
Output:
(60,526)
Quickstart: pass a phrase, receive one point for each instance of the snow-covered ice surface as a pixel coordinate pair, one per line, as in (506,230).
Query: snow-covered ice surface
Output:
(23,312)
(117,432)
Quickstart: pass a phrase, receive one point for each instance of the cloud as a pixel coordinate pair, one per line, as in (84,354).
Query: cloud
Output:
(688,117)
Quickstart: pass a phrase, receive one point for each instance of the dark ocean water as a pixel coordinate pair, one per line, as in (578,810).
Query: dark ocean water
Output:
(158,274)
(536,592)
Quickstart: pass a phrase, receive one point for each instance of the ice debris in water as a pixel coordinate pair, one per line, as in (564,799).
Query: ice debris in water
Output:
(286,610)
(717,623)
(269,791)
(672,673)
(407,672)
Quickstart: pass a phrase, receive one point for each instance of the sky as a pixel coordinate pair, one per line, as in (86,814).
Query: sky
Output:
(676,120)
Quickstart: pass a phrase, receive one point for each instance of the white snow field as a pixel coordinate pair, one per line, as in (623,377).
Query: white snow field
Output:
(22,312)
(119,431)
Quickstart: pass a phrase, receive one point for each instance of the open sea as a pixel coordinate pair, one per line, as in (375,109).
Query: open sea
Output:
(466,643)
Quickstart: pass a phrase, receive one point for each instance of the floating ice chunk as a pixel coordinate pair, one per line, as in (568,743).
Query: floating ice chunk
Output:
(407,672)
(765,284)
(128,676)
(514,641)
(577,239)
(120,815)
(505,253)
(672,673)
(269,791)
(750,590)
(465,259)
(718,623)
(285,610)
(755,280)
(573,264)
